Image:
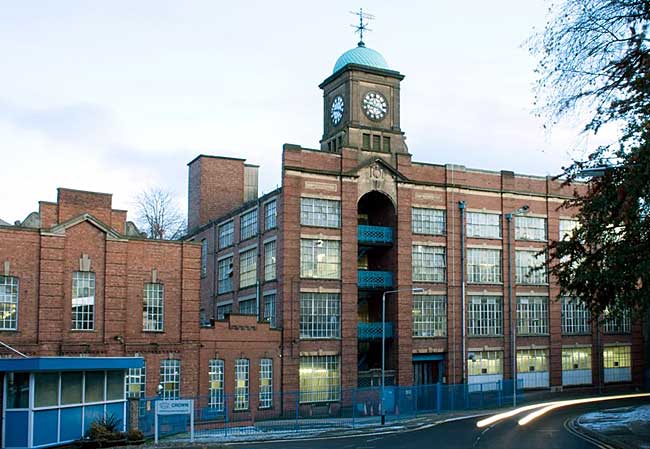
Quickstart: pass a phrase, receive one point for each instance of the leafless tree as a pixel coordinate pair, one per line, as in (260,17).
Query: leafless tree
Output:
(159,216)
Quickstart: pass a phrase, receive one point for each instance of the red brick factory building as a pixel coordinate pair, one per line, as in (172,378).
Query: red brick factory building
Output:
(283,292)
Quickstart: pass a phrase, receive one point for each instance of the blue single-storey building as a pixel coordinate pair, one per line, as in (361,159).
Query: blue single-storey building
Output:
(48,401)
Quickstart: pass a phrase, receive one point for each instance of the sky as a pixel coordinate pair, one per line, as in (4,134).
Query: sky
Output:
(117,96)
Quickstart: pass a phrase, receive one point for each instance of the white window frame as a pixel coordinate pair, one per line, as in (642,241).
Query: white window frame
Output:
(575,317)
(270,299)
(170,374)
(84,318)
(619,323)
(429,315)
(266,383)
(320,259)
(242,379)
(483,225)
(526,263)
(484,316)
(247,267)
(270,215)
(247,303)
(320,315)
(137,378)
(248,225)
(429,263)
(224,308)
(9,297)
(428,221)
(484,266)
(567,226)
(532,315)
(225,274)
(204,257)
(323,372)
(320,212)
(216,391)
(270,260)
(153,307)
(530,228)
(485,363)
(226,234)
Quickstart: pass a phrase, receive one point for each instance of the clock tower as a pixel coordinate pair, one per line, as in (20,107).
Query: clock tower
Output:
(361,104)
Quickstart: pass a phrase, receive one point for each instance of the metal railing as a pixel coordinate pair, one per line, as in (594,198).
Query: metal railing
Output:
(372,331)
(375,280)
(374,235)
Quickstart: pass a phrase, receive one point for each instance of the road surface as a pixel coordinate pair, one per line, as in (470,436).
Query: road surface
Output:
(546,432)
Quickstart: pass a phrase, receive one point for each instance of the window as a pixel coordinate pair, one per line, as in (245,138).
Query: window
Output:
(241,384)
(269,308)
(428,263)
(46,389)
(153,307)
(83,300)
(530,228)
(485,362)
(320,315)
(617,361)
(72,383)
(320,378)
(366,142)
(224,275)
(427,221)
(247,268)
(270,215)
(226,234)
(429,315)
(532,360)
(376,143)
(17,390)
(170,378)
(94,386)
(532,315)
(224,309)
(248,224)
(320,259)
(216,390)
(266,383)
(8,303)
(204,257)
(617,323)
(576,359)
(484,266)
(485,316)
(575,317)
(483,225)
(567,227)
(530,268)
(269,260)
(320,212)
(386,144)
(248,306)
(136,380)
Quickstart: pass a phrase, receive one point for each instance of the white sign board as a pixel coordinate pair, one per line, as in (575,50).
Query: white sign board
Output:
(174,407)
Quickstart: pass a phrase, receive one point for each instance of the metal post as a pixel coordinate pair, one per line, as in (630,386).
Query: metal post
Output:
(383,355)
(463,365)
(513,314)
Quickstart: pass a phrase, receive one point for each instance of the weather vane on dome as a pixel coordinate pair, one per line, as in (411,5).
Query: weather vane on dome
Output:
(362,26)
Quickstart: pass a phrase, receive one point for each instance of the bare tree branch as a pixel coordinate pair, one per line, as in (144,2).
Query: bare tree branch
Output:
(159,216)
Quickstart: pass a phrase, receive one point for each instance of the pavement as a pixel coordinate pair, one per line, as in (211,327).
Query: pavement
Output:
(621,427)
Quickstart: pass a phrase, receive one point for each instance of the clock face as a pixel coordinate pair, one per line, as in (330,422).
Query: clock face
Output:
(336,110)
(374,105)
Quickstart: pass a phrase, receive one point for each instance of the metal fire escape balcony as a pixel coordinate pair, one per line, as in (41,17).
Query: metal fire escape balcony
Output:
(375,280)
(372,331)
(374,235)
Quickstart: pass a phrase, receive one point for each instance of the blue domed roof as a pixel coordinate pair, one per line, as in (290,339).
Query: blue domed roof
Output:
(361,55)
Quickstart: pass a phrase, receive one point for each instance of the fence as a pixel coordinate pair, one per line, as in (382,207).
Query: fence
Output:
(231,416)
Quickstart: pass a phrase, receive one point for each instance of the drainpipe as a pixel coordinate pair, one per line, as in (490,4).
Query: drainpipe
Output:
(461,207)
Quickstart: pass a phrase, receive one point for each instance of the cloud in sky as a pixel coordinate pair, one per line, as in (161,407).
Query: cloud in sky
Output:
(118,96)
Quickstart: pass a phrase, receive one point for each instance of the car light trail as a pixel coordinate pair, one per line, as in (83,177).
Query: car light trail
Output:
(536,414)
(500,416)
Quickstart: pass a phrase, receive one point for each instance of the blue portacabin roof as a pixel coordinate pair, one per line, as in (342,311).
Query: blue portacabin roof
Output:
(361,55)
(36,364)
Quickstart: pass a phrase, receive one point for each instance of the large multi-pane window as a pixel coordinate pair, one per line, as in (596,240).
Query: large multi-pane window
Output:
(248,306)
(427,221)
(204,257)
(216,390)
(532,315)
(484,266)
(429,315)
(320,378)
(485,362)
(567,227)
(224,275)
(247,268)
(530,267)
(429,263)
(617,361)
(269,308)
(8,303)
(485,315)
(530,228)
(153,307)
(266,383)
(136,380)
(617,323)
(532,360)
(576,366)
(224,309)
(320,259)
(575,317)
(483,225)
(320,315)
(320,212)
(270,215)
(269,260)
(241,384)
(248,224)
(226,234)
(170,378)
(83,300)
